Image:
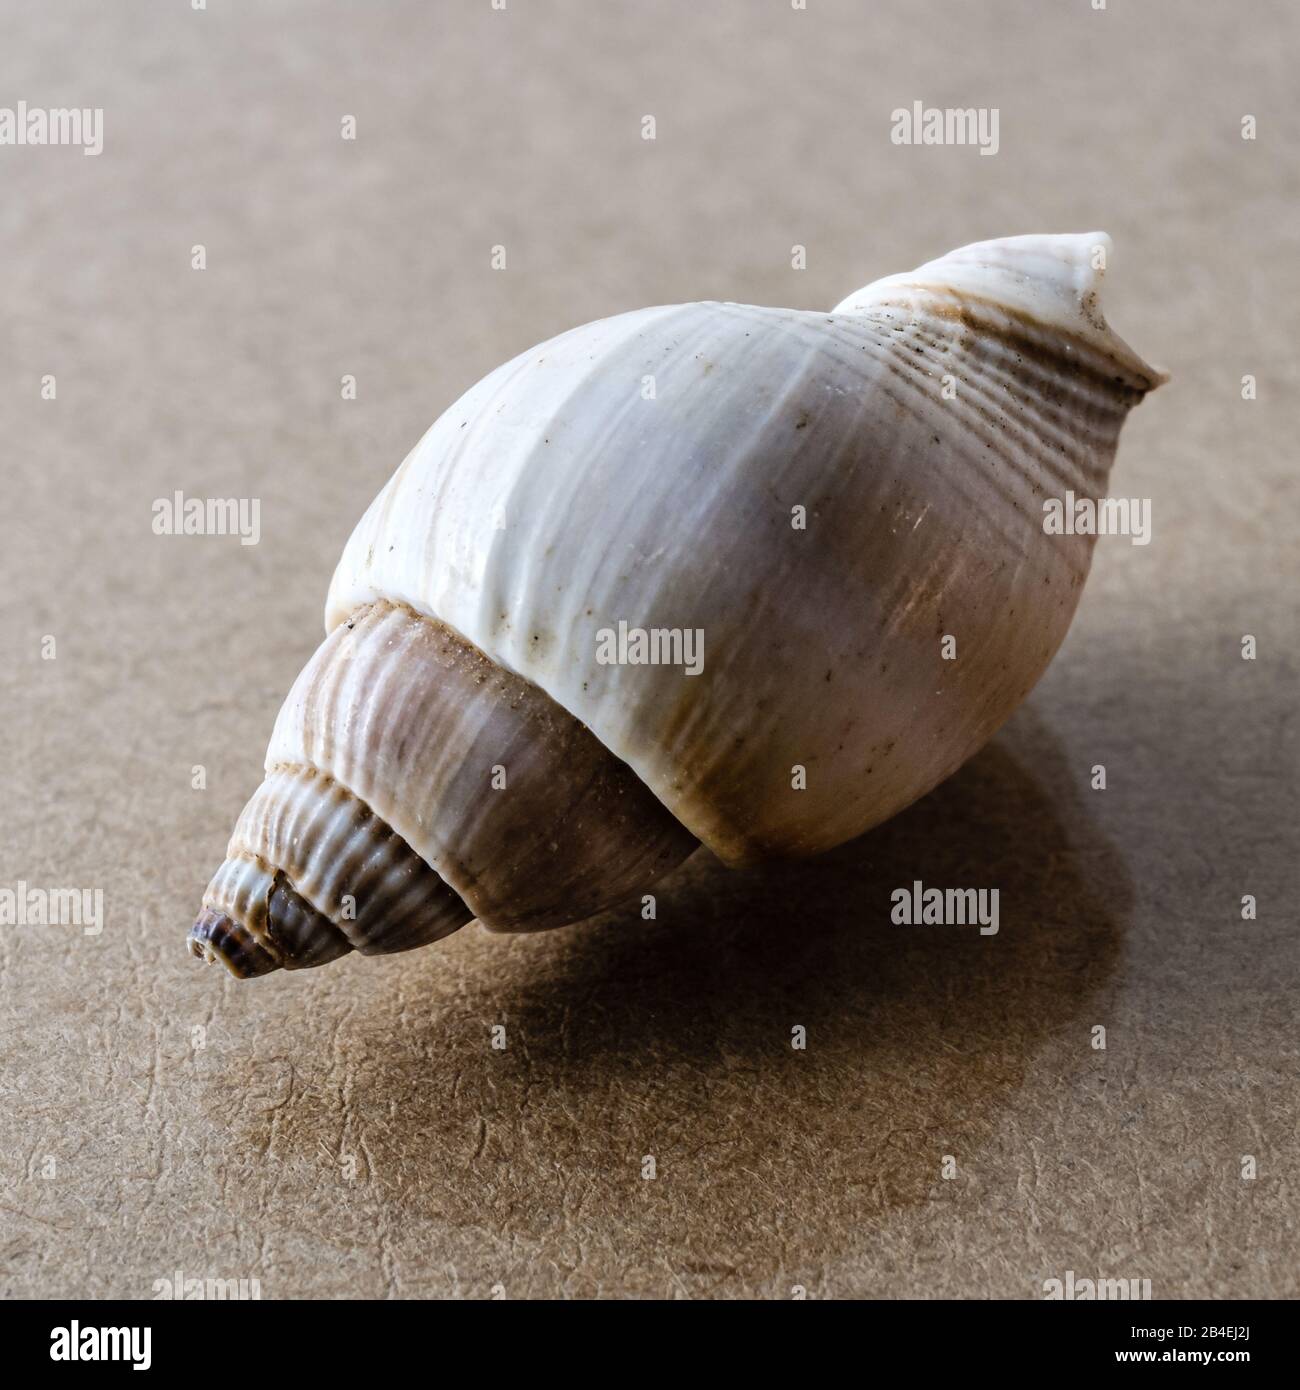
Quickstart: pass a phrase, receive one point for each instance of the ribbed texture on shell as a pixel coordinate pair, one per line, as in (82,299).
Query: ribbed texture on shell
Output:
(555,501)
(312,873)
(347,862)
(516,806)
(1040,413)
(255,922)
(1051,282)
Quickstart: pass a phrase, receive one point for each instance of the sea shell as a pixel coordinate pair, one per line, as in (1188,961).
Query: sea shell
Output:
(823,498)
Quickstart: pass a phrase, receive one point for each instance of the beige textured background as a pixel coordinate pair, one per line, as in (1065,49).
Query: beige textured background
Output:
(522,1168)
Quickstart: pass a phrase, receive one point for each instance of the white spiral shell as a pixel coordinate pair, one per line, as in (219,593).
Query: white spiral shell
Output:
(843,511)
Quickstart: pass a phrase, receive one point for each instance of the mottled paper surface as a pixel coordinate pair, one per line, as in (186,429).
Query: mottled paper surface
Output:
(351,1131)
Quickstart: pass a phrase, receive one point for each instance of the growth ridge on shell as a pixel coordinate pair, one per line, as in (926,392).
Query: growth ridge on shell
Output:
(1052,279)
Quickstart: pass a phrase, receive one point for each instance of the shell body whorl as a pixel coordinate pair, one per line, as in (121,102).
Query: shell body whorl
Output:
(555,500)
